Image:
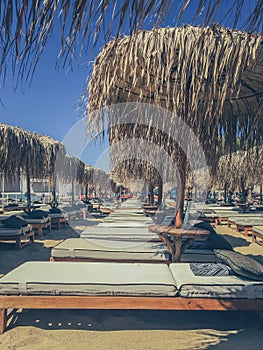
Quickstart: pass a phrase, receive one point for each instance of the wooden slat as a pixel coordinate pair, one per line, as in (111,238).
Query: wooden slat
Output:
(119,302)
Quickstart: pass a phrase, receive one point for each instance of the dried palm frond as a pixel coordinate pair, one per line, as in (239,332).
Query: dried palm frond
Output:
(26,26)
(73,169)
(25,152)
(242,167)
(210,78)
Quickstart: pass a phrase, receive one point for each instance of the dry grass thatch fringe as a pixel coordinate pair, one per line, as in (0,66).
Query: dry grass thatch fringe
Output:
(22,151)
(211,78)
(73,169)
(242,167)
(27,25)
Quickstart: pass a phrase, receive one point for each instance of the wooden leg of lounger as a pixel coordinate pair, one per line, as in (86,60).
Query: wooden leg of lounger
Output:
(18,243)
(178,249)
(2,320)
(39,231)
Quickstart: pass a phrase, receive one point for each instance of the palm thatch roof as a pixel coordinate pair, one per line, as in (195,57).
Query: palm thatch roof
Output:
(26,25)
(211,78)
(88,174)
(23,151)
(241,169)
(73,169)
(55,154)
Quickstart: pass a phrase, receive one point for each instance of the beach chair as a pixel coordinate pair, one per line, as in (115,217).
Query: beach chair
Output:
(110,250)
(78,285)
(139,234)
(257,234)
(246,225)
(58,220)
(39,224)
(80,249)
(22,236)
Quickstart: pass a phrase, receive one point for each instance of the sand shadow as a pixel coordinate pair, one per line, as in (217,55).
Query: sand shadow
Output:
(236,241)
(116,320)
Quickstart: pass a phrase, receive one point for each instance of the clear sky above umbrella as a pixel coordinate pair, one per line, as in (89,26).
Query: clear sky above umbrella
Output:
(50,104)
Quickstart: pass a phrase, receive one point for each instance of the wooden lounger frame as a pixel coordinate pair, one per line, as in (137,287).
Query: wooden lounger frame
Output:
(141,261)
(214,221)
(58,221)
(123,303)
(244,228)
(21,240)
(39,227)
(257,238)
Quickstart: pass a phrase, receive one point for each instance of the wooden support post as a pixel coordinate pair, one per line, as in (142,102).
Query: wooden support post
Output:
(180,200)
(2,320)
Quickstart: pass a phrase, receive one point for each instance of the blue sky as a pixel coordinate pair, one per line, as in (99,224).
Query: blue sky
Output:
(50,104)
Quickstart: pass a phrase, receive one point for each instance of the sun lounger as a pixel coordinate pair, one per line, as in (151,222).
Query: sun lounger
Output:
(253,216)
(232,286)
(257,234)
(58,220)
(125,224)
(22,236)
(80,249)
(120,233)
(75,212)
(39,224)
(118,213)
(127,219)
(219,216)
(246,225)
(73,285)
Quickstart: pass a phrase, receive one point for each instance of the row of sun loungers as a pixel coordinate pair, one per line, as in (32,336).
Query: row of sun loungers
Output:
(119,264)
(245,223)
(82,285)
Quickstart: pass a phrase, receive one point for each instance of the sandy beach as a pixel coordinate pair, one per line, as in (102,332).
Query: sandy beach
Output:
(114,329)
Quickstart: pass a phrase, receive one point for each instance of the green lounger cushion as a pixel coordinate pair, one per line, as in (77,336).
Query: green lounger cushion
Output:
(88,278)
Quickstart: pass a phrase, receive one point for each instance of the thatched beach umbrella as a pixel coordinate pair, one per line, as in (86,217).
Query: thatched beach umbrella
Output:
(55,158)
(73,171)
(27,25)
(20,150)
(132,170)
(239,171)
(88,179)
(29,153)
(210,78)
(101,181)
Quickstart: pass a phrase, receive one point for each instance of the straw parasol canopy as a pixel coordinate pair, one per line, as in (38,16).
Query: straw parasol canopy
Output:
(20,150)
(73,169)
(209,77)
(27,25)
(240,170)
(202,75)
(29,153)
(88,179)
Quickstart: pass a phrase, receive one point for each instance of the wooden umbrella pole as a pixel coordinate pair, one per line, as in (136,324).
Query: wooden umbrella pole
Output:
(86,191)
(28,189)
(180,200)
(3,190)
(151,194)
(160,192)
(72,191)
(54,188)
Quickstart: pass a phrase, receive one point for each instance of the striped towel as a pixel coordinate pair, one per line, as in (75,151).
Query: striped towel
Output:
(210,269)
